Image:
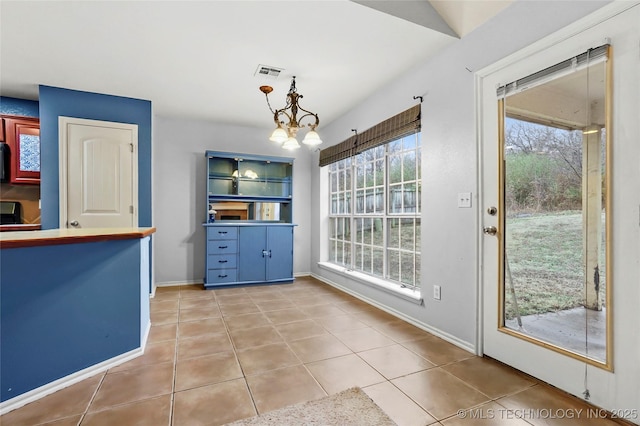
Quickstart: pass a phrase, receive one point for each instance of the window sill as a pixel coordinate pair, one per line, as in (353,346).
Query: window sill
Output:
(413,296)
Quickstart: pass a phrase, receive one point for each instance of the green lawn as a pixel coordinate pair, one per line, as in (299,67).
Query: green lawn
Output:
(545,256)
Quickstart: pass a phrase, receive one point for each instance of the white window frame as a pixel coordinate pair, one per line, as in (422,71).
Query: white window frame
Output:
(349,213)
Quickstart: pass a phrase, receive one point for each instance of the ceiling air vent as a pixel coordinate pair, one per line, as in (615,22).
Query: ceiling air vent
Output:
(268,71)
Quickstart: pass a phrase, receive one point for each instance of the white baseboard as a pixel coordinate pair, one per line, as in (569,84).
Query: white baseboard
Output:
(172,284)
(71,379)
(302,274)
(426,327)
(178,283)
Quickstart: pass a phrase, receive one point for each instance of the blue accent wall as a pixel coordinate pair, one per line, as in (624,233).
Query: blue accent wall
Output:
(56,102)
(15,106)
(80,306)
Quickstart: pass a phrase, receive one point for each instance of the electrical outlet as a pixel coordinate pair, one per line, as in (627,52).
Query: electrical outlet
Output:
(436,292)
(464,200)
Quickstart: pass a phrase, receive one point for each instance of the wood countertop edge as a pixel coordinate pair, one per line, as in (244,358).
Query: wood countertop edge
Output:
(36,241)
(20,227)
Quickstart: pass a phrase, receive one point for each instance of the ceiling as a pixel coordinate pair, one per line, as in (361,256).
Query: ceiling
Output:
(198,59)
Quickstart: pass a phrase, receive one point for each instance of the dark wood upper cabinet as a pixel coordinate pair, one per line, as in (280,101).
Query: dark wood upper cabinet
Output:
(22,134)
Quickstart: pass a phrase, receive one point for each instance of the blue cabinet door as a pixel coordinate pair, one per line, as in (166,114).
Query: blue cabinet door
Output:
(252,242)
(280,258)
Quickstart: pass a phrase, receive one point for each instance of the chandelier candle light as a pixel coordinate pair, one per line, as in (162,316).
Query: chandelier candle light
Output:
(287,135)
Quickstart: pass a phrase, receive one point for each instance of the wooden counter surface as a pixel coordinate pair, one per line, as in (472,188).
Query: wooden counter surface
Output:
(20,227)
(69,236)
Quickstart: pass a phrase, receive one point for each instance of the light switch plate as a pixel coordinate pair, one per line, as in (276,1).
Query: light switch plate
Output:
(464,200)
(436,292)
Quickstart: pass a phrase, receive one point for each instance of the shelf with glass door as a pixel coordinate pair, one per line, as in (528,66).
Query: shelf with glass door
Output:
(249,176)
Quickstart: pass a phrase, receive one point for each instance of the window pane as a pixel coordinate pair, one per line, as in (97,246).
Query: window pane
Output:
(347,254)
(378,262)
(360,177)
(357,262)
(407,268)
(369,178)
(379,172)
(406,234)
(333,251)
(357,223)
(360,201)
(393,240)
(409,142)
(366,259)
(409,165)
(347,179)
(346,226)
(395,168)
(341,180)
(379,207)
(369,201)
(395,199)
(394,265)
(378,232)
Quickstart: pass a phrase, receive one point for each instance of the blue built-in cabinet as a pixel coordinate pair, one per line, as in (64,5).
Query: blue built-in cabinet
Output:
(249,231)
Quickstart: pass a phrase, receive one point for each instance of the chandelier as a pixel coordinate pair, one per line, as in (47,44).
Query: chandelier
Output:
(285,133)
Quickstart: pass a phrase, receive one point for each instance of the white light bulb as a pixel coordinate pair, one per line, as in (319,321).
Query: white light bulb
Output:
(291,144)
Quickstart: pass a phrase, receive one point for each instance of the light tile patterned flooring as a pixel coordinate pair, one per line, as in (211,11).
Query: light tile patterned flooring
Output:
(216,356)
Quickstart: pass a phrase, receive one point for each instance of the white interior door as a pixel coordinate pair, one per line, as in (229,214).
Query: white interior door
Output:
(98,174)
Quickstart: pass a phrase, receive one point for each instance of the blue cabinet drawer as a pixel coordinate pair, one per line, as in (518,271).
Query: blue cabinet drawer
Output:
(221,276)
(222,233)
(222,261)
(222,247)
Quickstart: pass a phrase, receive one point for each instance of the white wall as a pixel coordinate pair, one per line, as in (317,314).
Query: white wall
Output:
(179,192)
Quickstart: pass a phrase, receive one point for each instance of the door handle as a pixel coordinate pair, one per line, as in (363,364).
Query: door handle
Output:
(490,230)
(74,223)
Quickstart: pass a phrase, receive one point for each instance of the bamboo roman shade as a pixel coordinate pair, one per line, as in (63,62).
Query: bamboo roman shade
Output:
(403,124)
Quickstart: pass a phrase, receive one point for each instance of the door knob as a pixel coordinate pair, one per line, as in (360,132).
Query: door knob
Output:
(74,223)
(490,230)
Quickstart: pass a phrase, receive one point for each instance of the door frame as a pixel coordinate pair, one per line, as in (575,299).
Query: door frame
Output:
(63,160)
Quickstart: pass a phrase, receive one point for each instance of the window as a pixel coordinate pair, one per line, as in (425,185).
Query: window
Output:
(374,217)
(555,228)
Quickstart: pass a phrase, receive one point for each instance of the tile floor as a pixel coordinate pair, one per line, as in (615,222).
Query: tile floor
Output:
(215,356)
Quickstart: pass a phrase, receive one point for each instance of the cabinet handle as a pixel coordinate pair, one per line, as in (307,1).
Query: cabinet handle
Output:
(222,232)
(269,253)
(223,247)
(222,261)
(222,276)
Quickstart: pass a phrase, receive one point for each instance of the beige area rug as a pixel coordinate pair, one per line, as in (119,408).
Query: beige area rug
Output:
(349,407)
